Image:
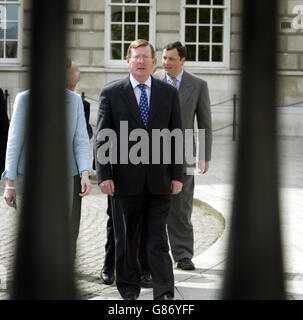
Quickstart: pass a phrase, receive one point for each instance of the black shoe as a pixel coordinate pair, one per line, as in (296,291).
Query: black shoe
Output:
(146,280)
(129,296)
(165,296)
(107,276)
(185,264)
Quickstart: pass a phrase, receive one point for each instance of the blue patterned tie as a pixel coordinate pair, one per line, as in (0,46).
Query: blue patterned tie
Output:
(143,104)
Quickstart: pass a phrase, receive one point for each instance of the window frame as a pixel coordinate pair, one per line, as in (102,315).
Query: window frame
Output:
(18,60)
(225,64)
(113,63)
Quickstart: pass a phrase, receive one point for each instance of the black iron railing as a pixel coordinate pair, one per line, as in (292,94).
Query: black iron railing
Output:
(44,264)
(254,269)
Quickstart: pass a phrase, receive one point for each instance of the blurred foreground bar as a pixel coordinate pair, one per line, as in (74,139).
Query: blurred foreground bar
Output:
(254,268)
(44,266)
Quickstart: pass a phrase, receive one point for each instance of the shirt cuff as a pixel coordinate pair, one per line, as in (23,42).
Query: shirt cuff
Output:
(90,172)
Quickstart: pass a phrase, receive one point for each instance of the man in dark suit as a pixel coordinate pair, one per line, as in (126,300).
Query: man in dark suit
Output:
(194,103)
(139,103)
(4,125)
(107,274)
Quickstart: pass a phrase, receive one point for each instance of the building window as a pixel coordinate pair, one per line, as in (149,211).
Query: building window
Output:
(127,20)
(10,31)
(206,32)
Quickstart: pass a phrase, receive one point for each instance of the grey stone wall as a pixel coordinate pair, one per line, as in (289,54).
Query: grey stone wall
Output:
(86,36)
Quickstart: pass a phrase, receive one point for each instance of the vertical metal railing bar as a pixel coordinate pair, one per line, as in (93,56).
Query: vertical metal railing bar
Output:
(234,117)
(254,267)
(6,99)
(44,266)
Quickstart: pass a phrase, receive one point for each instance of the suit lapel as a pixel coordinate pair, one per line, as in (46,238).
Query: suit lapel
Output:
(153,101)
(185,89)
(131,101)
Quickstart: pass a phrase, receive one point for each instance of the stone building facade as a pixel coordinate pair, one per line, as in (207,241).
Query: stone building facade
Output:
(99,32)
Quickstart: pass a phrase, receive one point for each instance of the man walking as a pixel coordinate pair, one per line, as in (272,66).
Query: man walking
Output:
(144,103)
(194,102)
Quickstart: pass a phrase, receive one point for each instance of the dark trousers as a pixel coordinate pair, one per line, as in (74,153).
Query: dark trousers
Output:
(109,260)
(76,214)
(128,214)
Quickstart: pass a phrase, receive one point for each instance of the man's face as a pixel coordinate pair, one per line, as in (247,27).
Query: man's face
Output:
(141,63)
(172,63)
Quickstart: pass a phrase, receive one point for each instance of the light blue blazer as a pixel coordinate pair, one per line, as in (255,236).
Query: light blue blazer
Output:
(78,140)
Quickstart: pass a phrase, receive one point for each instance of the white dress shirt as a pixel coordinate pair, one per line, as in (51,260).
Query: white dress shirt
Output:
(137,91)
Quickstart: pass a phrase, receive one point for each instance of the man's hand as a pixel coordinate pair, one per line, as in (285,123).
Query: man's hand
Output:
(85,185)
(203,166)
(107,187)
(10,192)
(8,196)
(176,186)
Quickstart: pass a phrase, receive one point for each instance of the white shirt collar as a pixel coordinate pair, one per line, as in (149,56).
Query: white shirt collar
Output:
(135,82)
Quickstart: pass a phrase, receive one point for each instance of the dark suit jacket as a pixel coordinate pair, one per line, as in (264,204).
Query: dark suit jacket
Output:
(86,105)
(118,103)
(4,125)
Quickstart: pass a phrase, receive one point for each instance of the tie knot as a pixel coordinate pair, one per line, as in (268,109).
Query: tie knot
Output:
(174,81)
(141,86)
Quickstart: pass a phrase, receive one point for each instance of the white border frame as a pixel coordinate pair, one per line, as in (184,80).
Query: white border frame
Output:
(110,63)
(225,64)
(18,60)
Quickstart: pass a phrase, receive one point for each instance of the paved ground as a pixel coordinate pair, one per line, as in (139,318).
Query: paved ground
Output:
(211,219)
(209,225)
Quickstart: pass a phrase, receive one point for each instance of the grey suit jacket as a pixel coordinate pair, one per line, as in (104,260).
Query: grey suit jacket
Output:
(194,101)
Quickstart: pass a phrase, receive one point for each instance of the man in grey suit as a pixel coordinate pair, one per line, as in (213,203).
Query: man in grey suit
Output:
(194,102)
